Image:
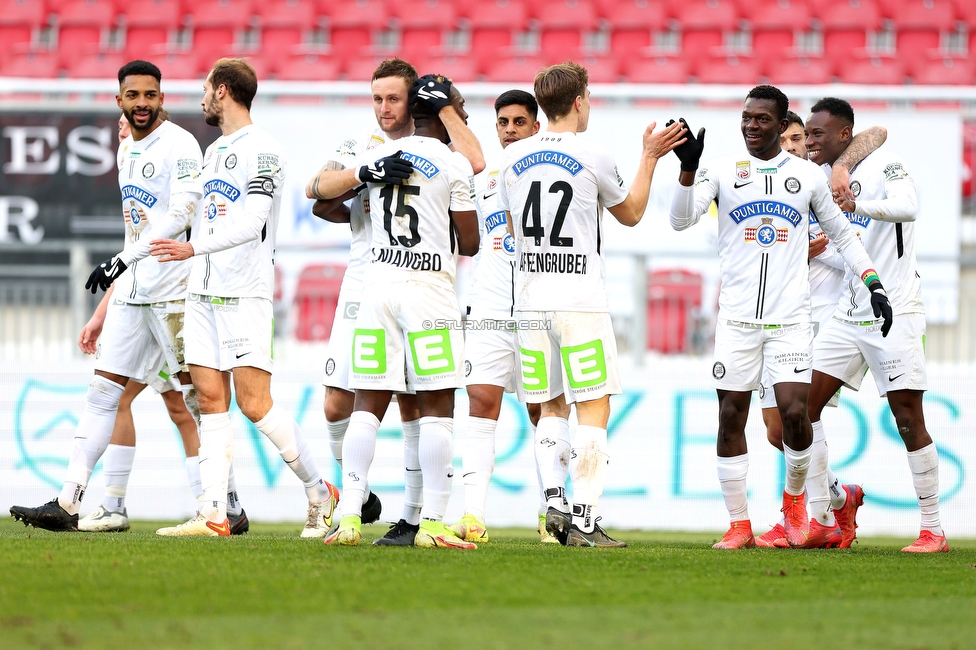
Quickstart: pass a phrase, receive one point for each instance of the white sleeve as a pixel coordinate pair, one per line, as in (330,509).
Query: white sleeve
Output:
(839,230)
(610,186)
(690,203)
(180,218)
(462,184)
(257,208)
(901,201)
(831,257)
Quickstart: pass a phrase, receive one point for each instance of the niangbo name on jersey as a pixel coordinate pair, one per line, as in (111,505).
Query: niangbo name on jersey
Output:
(574,263)
(139,194)
(217,186)
(766,209)
(408,259)
(421,165)
(556,158)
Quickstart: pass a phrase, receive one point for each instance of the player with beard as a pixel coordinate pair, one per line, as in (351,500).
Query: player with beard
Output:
(882,208)
(160,179)
(229,320)
(765,196)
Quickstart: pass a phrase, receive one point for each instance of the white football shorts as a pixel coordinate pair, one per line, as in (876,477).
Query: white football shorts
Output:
(228,333)
(139,340)
(743,350)
(340,340)
(845,350)
(767,396)
(491,350)
(407,334)
(569,353)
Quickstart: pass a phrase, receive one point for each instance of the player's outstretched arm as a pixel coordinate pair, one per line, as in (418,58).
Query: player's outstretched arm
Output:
(463,139)
(332,210)
(900,203)
(88,338)
(656,145)
(466,225)
(862,145)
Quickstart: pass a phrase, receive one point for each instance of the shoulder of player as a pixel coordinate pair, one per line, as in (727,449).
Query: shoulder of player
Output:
(880,161)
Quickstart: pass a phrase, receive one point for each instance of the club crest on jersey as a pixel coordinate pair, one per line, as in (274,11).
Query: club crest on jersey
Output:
(135,217)
(767,209)
(856,189)
(492,181)
(148,170)
(556,158)
(374,141)
(231,161)
(494,220)
(792,185)
(743,169)
(766,235)
(215,208)
(217,186)
(421,165)
(505,244)
(138,194)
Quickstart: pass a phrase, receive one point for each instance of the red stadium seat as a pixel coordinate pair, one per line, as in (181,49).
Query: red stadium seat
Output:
(284,24)
(19,20)
(945,72)
(846,24)
(601,69)
(674,299)
(514,69)
(179,65)
(361,68)
(920,23)
(703,22)
(631,24)
(966,11)
(774,24)
(423,25)
(149,24)
(30,64)
(657,70)
(352,23)
(316,298)
(493,25)
(563,24)
(99,65)
(875,70)
(799,70)
(729,70)
(83,26)
(218,27)
(308,67)
(458,68)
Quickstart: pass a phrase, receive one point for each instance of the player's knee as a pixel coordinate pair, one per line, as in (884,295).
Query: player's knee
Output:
(483,405)
(337,409)
(253,408)
(774,434)
(535,412)
(794,414)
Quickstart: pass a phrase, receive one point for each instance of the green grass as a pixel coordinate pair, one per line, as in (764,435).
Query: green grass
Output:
(270,589)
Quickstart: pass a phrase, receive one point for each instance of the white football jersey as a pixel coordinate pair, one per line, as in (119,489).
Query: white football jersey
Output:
(764,224)
(164,163)
(556,185)
(359,223)
(882,188)
(826,269)
(413,236)
(248,162)
(492,292)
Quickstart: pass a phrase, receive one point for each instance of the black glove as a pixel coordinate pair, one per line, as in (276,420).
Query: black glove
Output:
(690,152)
(393,169)
(433,90)
(104,274)
(881,306)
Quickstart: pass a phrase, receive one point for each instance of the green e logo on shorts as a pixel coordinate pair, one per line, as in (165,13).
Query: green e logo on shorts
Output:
(369,352)
(431,351)
(585,364)
(535,374)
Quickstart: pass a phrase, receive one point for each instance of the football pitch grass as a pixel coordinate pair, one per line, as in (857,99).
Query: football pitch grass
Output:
(270,589)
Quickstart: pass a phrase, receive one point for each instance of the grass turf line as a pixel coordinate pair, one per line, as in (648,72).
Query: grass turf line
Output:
(270,589)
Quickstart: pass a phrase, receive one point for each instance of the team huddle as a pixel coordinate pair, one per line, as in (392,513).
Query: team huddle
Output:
(802,309)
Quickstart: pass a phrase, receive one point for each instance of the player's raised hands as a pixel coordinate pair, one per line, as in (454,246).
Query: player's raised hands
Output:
(657,145)
(393,169)
(690,151)
(433,90)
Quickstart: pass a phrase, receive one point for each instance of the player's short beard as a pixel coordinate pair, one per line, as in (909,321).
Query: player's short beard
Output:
(130,118)
(399,125)
(212,112)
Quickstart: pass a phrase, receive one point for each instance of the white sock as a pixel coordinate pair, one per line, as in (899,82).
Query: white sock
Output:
(216,455)
(233,500)
(413,478)
(552,451)
(838,495)
(92,435)
(479,461)
(924,464)
(818,493)
(732,472)
(117,467)
(337,431)
(538,475)
(284,432)
(436,453)
(358,448)
(192,464)
(588,467)
(797,464)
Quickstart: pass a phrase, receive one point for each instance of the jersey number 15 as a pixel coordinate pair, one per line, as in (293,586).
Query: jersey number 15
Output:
(402,210)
